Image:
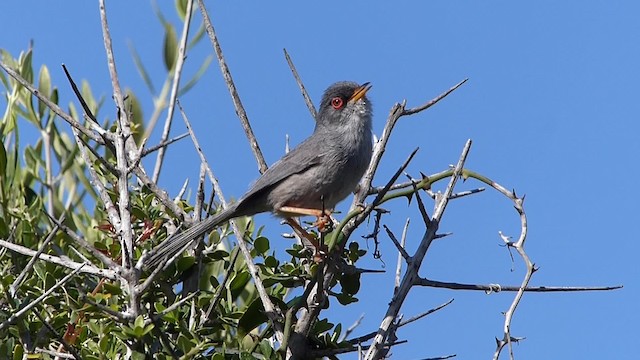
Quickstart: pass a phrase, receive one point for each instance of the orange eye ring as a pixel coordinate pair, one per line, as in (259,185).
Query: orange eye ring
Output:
(337,103)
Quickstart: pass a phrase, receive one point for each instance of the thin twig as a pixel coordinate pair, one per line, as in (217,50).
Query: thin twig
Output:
(54,107)
(28,307)
(89,269)
(496,288)
(395,241)
(175,305)
(23,274)
(166,143)
(109,206)
(428,312)
(226,74)
(434,101)
(305,95)
(403,242)
(177,74)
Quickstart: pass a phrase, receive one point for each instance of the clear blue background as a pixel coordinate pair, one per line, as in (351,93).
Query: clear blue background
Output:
(551,105)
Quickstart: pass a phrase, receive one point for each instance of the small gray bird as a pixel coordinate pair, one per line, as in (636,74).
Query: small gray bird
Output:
(320,172)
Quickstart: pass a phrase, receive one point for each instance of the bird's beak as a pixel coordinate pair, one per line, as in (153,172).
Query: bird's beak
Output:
(360,92)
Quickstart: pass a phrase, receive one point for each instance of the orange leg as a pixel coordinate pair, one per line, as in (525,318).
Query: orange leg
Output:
(323,221)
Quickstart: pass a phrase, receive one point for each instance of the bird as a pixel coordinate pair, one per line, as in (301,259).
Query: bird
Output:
(310,179)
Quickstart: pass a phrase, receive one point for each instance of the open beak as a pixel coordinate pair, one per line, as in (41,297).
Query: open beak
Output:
(360,92)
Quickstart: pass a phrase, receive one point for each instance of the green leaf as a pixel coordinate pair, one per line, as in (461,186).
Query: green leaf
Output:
(181,8)
(44,86)
(141,69)
(185,262)
(18,352)
(271,261)
(261,245)
(239,282)
(350,283)
(336,333)
(346,299)
(170,47)
(322,325)
(3,159)
(203,68)
(265,348)
(254,316)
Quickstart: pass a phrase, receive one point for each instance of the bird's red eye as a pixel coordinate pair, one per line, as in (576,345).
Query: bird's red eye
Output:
(337,102)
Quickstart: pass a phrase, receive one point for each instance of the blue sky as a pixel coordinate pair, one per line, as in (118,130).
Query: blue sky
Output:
(551,106)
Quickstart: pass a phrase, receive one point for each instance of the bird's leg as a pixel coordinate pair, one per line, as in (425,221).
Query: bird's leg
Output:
(323,222)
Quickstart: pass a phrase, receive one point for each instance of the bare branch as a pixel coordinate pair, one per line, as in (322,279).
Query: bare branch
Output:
(430,103)
(305,95)
(89,269)
(395,241)
(177,74)
(495,288)
(403,243)
(165,143)
(54,107)
(412,269)
(242,115)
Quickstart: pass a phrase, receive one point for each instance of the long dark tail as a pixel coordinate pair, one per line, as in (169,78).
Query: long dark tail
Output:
(179,241)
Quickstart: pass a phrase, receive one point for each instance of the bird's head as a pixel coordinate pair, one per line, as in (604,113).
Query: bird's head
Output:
(345,105)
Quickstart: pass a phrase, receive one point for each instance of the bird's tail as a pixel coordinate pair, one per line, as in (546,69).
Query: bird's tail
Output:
(181,240)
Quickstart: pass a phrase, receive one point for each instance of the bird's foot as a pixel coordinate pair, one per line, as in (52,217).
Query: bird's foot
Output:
(324,223)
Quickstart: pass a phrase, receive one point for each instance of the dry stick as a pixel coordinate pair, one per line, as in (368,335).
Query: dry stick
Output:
(420,316)
(400,247)
(83,103)
(89,269)
(182,55)
(109,206)
(55,354)
(242,115)
(305,95)
(175,305)
(496,288)
(269,308)
(55,108)
(23,274)
(519,246)
(113,73)
(402,244)
(162,144)
(123,142)
(28,307)
(413,267)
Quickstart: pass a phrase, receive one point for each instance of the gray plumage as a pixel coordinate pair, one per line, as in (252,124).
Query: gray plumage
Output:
(321,171)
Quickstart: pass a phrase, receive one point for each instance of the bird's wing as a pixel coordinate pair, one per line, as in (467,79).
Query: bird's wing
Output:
(303,157)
